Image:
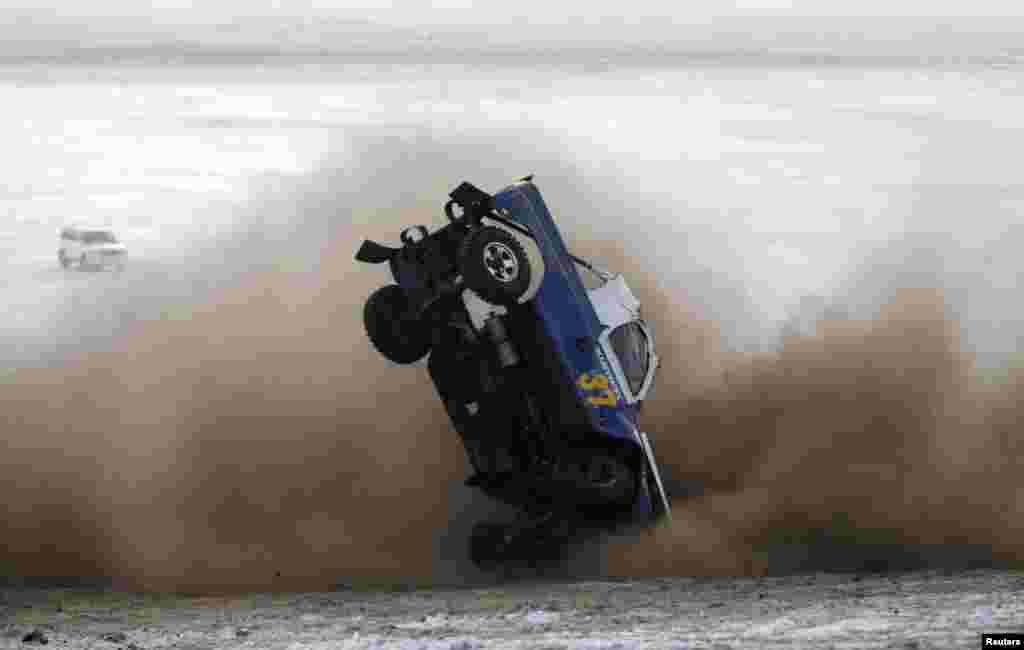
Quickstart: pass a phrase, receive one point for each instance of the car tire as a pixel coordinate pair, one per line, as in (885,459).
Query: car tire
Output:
(488,546)
(63,259)
(392,328)
(610,476)
(602,477)
(494,264)
(82,262)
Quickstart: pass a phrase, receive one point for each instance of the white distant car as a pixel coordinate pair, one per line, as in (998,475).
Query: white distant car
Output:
(90,248)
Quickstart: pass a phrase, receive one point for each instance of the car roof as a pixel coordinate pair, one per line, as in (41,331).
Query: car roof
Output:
(87,228)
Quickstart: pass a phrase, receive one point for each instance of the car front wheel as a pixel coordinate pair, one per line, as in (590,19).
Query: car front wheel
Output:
(600,477)
(393,327)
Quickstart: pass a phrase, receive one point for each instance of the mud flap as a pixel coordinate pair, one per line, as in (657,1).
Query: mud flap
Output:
(661,505)
(373,253)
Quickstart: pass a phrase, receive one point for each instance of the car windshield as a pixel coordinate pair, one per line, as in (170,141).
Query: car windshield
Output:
(631,347)
(98,237)
(591,279)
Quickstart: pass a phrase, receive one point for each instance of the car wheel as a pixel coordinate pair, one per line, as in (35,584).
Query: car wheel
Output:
(488,546)
(613,477)
(64,261)
(602,477)
(494,265)
(82,261)
(392,328)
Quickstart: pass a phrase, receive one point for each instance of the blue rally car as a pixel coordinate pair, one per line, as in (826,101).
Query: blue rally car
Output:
(542,378)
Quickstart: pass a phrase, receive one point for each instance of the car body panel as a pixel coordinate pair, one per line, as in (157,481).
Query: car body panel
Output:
(90,245)
(564,306)
(571,393)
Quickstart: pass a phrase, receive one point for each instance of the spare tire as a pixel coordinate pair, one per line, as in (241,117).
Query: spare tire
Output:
(494,264)
(393,326)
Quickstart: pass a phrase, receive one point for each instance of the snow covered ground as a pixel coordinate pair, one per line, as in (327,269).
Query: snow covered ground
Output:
(909,610)
(785,177)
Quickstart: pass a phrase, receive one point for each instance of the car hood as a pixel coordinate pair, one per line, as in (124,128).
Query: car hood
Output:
(615,303)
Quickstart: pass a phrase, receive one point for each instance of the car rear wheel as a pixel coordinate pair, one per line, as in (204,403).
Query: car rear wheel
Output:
(63,259)
(393,328)
(488,546)
(600,476)
(509,548)
(611,477)
(494,265)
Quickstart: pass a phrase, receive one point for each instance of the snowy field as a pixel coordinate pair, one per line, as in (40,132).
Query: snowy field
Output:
(911,610)
(786,177)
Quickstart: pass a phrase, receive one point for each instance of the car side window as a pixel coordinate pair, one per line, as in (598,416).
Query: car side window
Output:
(630,345)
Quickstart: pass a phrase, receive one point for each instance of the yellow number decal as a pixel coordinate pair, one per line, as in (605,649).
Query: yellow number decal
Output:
(598,383)
(593,382)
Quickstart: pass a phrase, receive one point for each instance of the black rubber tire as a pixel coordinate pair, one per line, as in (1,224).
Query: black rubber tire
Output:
(602,477)
(63,259)
(82,262)
(494,264)
(392,329)
(496,548)
(610,476)
(488,547)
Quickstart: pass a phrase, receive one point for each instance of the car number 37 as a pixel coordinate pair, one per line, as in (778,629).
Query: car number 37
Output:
(597,389)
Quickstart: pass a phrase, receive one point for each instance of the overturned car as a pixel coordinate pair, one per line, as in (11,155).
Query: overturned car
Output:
(542,378)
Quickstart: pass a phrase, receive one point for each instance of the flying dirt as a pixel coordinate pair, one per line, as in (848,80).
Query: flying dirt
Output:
(251,438)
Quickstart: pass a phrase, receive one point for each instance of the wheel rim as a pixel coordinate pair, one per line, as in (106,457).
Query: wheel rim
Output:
(501,262)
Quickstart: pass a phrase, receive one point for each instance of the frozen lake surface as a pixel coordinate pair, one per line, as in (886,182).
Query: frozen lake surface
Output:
(788,180)
(908,610)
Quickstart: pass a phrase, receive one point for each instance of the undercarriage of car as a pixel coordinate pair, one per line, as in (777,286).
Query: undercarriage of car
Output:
(538,391)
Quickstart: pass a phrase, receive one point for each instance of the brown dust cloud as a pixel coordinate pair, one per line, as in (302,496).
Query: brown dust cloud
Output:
(250,438)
